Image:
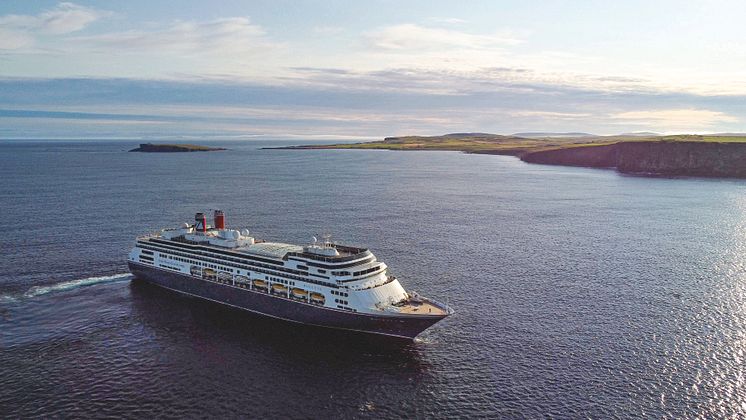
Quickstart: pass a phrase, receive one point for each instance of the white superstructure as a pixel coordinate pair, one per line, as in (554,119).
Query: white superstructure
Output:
(322,274)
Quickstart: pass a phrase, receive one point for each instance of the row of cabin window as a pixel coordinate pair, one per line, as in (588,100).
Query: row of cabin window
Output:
(262,271)
(223,256)
(303,267)
(346,308)
(370,270)
(356,273)
(262,265)
(194,262)
(343,302)
(334,292)
(283,281)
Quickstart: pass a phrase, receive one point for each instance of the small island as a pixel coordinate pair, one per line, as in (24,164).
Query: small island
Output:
(171,148)
(719,155)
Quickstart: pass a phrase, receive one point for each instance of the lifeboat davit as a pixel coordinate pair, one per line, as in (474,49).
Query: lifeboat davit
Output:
(299,293)
(195,270)
(224,276)
(317,298)
(242,280)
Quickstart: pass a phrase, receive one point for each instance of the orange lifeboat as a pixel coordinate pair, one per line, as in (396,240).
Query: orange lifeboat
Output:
(279,288)
(317,298)
(299,293)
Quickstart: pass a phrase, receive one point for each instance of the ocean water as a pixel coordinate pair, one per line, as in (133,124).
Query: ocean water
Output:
(578,292)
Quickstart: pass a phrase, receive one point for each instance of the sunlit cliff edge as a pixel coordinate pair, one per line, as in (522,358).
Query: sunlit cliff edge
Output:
(678,155)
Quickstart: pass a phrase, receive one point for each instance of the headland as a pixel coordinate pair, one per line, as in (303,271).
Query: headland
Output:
(677,155)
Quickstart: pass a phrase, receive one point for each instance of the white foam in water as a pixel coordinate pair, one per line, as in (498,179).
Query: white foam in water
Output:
(73,284)
(7,299)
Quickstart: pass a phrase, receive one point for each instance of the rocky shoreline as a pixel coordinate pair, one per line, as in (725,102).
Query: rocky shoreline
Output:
(721,156)
(671,158)
(174,148)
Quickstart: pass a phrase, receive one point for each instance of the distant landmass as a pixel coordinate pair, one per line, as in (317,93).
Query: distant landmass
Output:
(641,134)
(543,134)
(718,155)
(171,148)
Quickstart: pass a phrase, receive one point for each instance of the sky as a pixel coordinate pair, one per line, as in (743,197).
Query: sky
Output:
(365,70)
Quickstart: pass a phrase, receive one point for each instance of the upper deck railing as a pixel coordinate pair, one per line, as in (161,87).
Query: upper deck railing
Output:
(348,253)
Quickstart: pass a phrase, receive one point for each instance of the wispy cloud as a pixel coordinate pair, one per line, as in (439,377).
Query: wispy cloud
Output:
(219,36)
(551,115)
(446,20)
(410,36)
(672,120)
(227,108)
(17,31)
(235,75)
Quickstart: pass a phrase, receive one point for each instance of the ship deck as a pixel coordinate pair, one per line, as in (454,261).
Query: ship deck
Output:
(424,308)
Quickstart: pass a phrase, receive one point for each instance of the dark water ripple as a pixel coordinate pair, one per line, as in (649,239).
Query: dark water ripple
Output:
(579,293)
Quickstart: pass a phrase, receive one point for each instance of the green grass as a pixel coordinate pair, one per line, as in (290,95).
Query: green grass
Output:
(492,143)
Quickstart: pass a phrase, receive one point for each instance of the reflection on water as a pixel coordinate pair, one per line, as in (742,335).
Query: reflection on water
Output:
(578,292)
(264,335)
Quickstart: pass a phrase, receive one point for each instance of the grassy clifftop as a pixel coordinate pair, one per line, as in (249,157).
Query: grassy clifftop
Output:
(688,158)
(694,155)
(465,142)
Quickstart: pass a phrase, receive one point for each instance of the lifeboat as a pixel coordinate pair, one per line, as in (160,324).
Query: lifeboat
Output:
(317,298)
(261,284)
(195,270)
(299,293)
(225,277)
(279,288)
(209,273)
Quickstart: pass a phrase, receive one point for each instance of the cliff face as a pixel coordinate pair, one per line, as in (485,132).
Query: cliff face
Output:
(709,159)
(594,156)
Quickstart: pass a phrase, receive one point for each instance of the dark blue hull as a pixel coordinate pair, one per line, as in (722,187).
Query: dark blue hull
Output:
(403,326)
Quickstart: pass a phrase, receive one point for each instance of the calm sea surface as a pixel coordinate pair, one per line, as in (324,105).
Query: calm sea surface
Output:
(578,292)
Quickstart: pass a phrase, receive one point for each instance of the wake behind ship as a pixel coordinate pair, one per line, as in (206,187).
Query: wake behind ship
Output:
(322,284)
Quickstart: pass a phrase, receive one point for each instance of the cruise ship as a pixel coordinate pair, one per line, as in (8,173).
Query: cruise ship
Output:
(320,284)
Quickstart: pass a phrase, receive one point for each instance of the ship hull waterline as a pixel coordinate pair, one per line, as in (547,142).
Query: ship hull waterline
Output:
(262,303)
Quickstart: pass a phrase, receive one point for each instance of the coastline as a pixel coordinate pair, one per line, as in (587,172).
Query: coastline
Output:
(721,156)
(174,148)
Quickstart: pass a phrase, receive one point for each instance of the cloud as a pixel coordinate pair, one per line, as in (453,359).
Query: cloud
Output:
(232,46)
(446,21)
(13,40)
(409,36)
(66,18)
(675,119)
(551,115)
(151,108)
(18,31)
(464,81)
(219,36)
